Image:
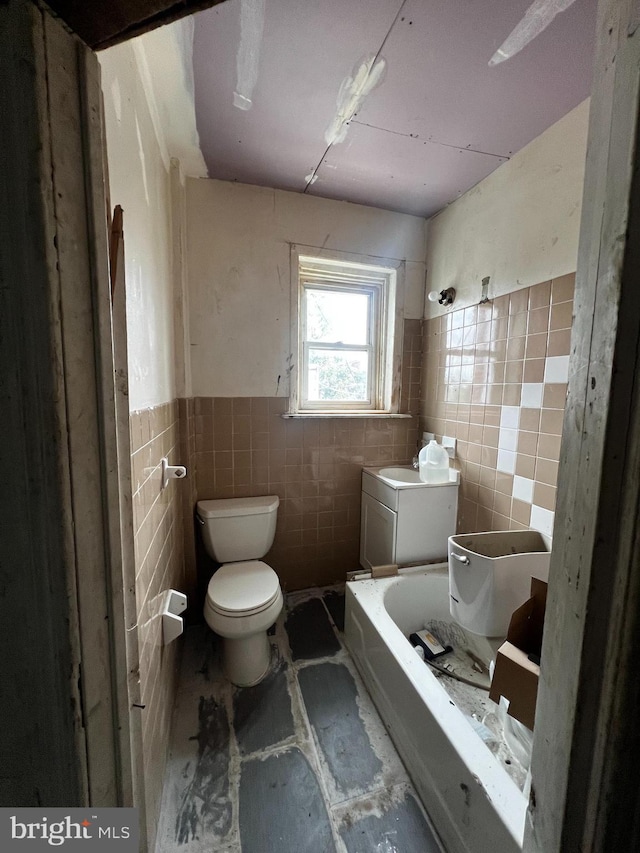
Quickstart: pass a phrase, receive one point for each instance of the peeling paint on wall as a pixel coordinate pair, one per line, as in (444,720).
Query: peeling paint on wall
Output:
(248,56)
(367,74)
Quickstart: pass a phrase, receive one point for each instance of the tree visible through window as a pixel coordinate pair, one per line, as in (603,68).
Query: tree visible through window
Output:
(337,324)
(345,336)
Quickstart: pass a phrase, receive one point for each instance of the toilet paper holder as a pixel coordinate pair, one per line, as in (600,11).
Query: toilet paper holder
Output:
(173,605)
(171,472)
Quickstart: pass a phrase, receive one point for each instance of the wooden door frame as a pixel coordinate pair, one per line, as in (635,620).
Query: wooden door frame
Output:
(584,794)
(68,611)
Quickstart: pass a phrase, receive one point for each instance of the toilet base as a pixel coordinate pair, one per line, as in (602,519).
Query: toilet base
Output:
(247,659)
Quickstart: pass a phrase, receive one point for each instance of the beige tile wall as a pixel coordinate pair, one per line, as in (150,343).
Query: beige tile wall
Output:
(495,377)
(244,447)
(186,410)
(159,549)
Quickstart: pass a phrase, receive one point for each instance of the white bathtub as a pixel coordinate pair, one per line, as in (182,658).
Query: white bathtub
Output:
(474,805)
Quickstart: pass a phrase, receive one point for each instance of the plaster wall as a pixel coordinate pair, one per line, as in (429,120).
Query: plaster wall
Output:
(165,64)
(520,226)
(139,180)
(239,239)
(145,178)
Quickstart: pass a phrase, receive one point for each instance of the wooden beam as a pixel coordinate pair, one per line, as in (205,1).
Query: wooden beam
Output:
(584,794)
(67,572)
(43,744)
(103,23)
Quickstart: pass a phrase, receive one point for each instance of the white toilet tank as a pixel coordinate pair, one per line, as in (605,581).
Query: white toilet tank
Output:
(238,529)
(490,576)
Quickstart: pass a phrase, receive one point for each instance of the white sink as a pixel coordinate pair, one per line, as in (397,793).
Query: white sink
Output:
(404,475)
(404,520)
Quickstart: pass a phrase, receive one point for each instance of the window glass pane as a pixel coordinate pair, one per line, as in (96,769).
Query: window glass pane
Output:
(336,317)
(337,375)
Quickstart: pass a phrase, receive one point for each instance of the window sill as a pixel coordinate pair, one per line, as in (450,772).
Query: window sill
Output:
(346,415)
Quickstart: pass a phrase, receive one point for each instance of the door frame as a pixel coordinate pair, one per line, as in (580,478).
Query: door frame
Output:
(69,604)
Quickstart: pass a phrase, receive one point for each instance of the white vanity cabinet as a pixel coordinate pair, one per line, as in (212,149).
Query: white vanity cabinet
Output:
(403,520)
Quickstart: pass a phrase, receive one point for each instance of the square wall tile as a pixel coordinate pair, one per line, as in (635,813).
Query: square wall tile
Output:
(525,466)
(506,461)
(556,369)
(523,489)
(562,288)
(508,439)
(512,393)
(540,295)
(521,511)
(510,417)
(509,420)
(542,520)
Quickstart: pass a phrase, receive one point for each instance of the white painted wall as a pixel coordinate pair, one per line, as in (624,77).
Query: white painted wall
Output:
(238,239)
(150,123)
(139,181)
(520,225)
(165,64)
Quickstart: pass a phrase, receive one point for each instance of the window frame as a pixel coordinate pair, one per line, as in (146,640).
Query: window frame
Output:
(319,269)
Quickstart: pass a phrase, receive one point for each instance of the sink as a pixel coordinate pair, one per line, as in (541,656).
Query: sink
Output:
(404,520)
(404,475)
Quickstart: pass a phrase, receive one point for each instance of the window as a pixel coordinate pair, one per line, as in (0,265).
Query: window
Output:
(345,318)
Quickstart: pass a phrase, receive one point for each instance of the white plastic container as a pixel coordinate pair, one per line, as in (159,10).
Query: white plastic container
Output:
(434,463)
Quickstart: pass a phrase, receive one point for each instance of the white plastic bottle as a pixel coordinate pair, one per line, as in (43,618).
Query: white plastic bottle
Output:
(434,463)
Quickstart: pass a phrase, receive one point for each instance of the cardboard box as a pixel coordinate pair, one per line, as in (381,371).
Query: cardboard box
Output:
(515,676)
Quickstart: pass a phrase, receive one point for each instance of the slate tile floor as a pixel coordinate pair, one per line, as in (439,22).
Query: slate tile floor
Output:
(300,763)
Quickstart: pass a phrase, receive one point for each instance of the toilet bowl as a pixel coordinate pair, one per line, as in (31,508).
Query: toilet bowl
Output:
(243,598)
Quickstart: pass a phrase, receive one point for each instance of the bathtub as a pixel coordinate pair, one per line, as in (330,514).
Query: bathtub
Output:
(474,805)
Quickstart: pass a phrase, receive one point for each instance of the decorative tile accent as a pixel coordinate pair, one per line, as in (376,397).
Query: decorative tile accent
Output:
(506,461)
(556,369)
(523,489)
(503,399)
(542,520)
(508,439)
(510,417)
(532,395)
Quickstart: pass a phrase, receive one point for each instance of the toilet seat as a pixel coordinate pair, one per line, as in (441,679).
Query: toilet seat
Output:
(243,589)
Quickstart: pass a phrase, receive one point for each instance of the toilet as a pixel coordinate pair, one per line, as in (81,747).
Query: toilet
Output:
(490,576)
(244,598)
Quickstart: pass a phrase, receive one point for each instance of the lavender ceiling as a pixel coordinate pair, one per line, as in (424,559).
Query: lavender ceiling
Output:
(440,119)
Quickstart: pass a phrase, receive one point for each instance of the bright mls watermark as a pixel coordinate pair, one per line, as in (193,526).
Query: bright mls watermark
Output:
(103,830)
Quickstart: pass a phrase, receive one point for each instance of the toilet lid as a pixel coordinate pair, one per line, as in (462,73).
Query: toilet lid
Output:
(240,588)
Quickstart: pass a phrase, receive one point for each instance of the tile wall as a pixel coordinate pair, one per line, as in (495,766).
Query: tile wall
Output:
(495,377)
(159,548)
(244,447)
(189,497)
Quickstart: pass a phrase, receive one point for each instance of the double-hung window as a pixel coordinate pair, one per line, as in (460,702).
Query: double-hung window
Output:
(346,318)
